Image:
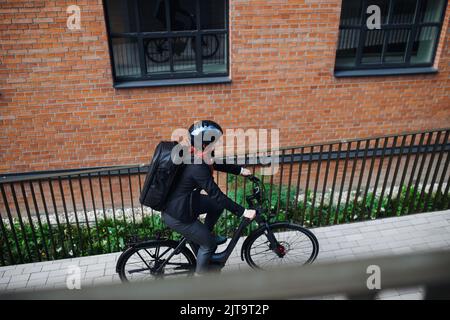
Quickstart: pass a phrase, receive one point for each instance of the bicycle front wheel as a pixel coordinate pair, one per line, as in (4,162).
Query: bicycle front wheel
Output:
(295,246)
(143,261)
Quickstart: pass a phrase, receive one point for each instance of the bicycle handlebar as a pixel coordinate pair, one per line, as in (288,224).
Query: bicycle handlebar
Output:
(256,199)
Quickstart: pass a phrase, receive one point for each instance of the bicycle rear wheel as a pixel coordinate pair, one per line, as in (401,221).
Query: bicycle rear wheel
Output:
(157,50)
(296,246)
(142,261)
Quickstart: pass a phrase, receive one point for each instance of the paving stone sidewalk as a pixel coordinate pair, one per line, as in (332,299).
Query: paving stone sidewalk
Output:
(397,235)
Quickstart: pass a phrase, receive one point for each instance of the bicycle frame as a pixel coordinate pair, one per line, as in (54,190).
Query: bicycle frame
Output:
(220,258)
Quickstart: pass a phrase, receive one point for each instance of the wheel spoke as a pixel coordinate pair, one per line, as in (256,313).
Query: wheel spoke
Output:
(143,260)
(142,263)
(261,244)
(261,252)
(300,248)
(137,270)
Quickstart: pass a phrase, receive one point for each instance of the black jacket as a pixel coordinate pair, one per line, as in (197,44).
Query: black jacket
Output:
(198,176)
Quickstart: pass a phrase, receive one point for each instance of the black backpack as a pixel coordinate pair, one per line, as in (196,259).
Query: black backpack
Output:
(160,177)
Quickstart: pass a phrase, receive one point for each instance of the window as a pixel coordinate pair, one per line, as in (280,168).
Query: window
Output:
(167,39)
(408,36)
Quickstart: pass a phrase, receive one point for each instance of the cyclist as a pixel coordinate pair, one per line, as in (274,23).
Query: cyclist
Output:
(188,199)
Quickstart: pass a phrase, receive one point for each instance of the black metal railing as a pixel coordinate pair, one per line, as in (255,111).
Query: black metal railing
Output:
(46,216)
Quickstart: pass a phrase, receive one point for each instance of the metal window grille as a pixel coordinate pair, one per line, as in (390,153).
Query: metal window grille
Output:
(408,36)
(167,39)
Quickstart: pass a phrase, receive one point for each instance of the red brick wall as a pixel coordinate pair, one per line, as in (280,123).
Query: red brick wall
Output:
(58,108)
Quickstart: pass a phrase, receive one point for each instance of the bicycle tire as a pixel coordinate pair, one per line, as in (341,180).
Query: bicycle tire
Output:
(145,246)
(247,246)
(153,55)
(216,46)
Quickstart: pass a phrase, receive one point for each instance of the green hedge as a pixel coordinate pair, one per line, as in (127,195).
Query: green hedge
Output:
(74,240)
(370,208)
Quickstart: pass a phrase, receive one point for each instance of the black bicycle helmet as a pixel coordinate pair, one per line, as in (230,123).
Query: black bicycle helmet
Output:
(204,132)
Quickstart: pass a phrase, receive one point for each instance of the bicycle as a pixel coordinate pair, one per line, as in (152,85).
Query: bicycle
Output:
(159,258)
(158,51)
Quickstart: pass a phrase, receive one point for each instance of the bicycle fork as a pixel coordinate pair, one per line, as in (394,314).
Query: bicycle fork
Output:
(274,245)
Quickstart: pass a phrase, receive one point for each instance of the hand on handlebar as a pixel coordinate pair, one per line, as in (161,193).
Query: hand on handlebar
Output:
(253,178)
(249,214)
(245,172)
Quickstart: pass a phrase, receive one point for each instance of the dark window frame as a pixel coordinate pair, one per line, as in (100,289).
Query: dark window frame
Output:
(386,68)
(172,78)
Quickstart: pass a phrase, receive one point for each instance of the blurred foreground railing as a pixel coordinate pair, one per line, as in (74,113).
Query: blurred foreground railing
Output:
(47,216)
(428,270)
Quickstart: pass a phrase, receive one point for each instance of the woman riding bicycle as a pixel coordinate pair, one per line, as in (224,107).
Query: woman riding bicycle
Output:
(188,199)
